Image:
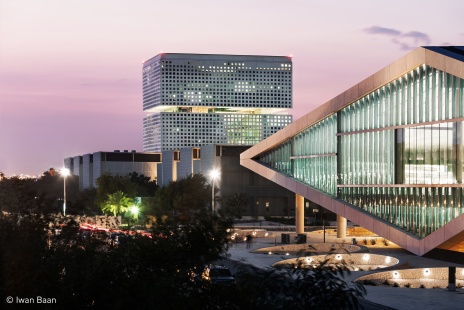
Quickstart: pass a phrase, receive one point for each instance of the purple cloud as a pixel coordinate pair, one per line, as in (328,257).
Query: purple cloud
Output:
(403,45)
(382,30)
(418,37)
(405,41)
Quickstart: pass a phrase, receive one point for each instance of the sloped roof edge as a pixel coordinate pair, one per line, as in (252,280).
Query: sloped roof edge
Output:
(442,58)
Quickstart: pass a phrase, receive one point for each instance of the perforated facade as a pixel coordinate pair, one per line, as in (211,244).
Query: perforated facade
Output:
(195,99)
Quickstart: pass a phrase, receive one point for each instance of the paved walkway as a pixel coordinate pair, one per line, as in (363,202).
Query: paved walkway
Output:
(396,298)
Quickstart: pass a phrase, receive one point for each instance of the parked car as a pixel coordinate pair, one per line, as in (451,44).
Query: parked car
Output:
(217,274)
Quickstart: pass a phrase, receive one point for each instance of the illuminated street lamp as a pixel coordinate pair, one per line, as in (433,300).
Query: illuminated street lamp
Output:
(214,174)
(135,211)
(64,173)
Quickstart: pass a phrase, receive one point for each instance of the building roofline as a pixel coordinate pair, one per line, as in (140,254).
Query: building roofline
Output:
(420,56)
(217,56)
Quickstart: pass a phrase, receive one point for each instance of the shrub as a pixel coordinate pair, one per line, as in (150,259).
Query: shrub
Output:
(373,241)
(386,242)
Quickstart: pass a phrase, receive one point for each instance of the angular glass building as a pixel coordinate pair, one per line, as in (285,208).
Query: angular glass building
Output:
(386,154)
(193,100)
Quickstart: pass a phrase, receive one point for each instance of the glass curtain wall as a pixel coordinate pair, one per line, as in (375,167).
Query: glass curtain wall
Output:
(399,153)
(314,151)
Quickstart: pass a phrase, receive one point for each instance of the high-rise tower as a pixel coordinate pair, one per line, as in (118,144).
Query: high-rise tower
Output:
(199,99)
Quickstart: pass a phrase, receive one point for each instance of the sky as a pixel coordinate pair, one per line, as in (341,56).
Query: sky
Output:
(71,70)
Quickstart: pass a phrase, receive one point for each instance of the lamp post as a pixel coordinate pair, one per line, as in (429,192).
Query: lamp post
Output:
(135,212)
(214,174)
(64,173)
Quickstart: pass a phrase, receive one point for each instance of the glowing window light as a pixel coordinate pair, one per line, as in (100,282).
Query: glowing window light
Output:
(396,274)
(338,257)
(308,260)
(387,260)
(270,253)
(366,257)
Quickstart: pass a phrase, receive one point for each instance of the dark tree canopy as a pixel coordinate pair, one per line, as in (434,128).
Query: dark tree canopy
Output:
(133,185)
(160,271)
(184,198)
(38,195)
(236,204)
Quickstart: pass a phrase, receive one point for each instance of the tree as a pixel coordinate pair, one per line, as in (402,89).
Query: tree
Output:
(146,187)
(133,184)
(15,195)
(184,198)
(85,202)
(109,184)
(38,195)
(117,203)
(236,204)
(160,270)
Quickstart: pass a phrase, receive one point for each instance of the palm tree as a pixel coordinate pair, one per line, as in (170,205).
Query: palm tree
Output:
(117,203)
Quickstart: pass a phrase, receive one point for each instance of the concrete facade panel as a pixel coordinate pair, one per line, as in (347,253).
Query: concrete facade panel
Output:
(301,189)
(434,239)
(366,85)
(415,58)
(398,68)
(290,185)
(398,237)
(350,95)
(352,215)
(412,244)
(454,227)
(435,60)
(186,163)
(454,67)
(366,221)
(382,229)
(382,77)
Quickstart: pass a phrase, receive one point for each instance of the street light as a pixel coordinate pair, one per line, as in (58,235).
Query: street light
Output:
(135,212)
(214,174)
(64,173)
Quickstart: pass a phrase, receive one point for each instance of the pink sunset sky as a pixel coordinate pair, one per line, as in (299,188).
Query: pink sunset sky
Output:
(71,71)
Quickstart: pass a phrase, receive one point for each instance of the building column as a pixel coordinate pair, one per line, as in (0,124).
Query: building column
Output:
(341,226)
(299,214)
